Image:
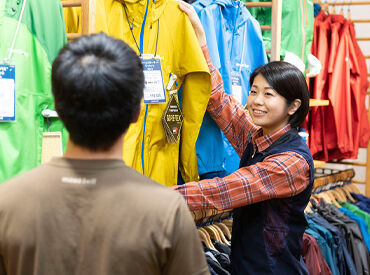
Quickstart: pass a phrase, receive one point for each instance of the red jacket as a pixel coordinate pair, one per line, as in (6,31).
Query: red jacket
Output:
(364,121)
(335,130)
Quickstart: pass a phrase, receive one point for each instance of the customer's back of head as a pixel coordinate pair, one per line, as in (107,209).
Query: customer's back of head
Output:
(98,85)
(86,212)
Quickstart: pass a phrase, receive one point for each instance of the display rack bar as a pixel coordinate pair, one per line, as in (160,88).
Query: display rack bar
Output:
(258,4)
(72,3)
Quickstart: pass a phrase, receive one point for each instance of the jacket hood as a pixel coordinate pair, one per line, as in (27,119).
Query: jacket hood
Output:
(138,8)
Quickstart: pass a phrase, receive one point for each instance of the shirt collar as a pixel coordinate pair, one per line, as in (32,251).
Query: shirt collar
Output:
(264,141)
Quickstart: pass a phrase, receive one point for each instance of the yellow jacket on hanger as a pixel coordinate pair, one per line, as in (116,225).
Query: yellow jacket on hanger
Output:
(145,144)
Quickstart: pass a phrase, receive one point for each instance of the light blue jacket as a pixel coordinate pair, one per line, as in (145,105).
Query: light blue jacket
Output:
(235,44)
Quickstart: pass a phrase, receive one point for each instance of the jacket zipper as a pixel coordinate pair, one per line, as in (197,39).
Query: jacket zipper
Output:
(146,107)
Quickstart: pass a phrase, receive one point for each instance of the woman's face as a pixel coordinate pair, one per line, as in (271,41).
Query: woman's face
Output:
(267,108)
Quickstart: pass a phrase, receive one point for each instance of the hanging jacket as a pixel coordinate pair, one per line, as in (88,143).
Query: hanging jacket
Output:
(319,85)
(364,120)
(296,26)
(36,46)
(235,44)
(145,145)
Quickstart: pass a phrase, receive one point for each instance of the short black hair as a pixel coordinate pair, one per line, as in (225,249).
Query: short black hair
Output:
(98,83)
(288,81)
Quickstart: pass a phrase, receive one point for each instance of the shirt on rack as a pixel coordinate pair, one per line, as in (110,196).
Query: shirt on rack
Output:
(215,265)
(248,184)
(362,202)
(313,257)
(344,260)
(356,210)
(222,258)
(235,44)
(352,232)
(361,223)
(327,245)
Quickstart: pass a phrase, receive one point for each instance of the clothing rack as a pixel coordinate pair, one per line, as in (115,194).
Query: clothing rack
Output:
(276,10)
(207,217)
(367,163)
(87,16)
(327,175)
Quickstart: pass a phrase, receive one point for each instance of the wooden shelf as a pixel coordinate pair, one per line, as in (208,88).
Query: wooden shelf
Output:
(319,163)
(319,102)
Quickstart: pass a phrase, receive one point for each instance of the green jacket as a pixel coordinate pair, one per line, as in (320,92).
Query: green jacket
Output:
(296,26)
(40,37)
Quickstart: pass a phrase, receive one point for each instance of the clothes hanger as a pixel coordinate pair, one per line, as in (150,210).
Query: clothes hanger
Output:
(224,229)
(347,193)
(213,233)
(308,208)
(221,234)
(339,197)
(229,224)
(323,196)
(203,238)
(353,188)
(333,198)
(208,238)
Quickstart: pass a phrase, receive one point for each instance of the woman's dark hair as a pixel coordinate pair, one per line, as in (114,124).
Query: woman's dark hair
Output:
(288,81)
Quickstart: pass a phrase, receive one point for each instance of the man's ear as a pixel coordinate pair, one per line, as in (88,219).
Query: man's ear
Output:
(137,115)
(294,106)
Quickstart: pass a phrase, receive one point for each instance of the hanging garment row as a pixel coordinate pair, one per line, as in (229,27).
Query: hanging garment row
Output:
(235,45)
(215,233)
(338,130)
(337,238)
(235,42)
(296,31)
(159,30)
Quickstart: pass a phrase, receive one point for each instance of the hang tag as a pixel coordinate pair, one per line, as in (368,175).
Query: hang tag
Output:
(236,86)
(154,89)
(52,146)
(7,93)
(172,118)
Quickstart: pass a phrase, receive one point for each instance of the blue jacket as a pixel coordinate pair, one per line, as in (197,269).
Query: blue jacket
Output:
(361,223)
(235,44)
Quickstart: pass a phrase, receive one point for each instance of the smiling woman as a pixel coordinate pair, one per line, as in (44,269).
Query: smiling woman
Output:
(279,95)
(272,186)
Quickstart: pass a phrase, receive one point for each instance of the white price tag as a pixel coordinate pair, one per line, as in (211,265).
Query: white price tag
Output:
(154,91)
(236,86)
(7,92)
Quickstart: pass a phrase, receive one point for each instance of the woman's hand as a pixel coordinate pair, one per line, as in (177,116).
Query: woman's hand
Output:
(194,19)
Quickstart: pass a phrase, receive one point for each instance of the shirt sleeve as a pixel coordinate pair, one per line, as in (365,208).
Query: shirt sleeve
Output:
(227,112)
(278,176)
(184,254)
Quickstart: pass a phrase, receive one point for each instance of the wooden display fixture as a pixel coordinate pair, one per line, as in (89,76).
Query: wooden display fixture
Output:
(318,163)
(87,16)
(276,10)
(318,102)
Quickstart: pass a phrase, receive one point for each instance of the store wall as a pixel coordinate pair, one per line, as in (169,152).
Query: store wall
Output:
(362,30)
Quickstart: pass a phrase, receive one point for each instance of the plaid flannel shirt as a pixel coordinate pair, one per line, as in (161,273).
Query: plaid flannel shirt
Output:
(277,176)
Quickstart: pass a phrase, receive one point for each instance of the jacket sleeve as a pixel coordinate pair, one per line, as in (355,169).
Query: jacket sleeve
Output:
(195,95)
